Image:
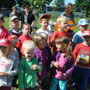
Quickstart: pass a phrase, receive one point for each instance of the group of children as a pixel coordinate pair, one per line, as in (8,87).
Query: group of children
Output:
(45,61)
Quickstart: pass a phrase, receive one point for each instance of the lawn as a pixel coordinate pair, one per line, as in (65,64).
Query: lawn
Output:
(6,23)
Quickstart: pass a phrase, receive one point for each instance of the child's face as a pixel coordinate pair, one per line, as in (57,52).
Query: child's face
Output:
(28,53)
(42,44)
(59,47)
(1,22)
(15,23)
(26,30)
(44,23)
(86,40)
(26,10)
(3,49)
(63,25)
(83,27)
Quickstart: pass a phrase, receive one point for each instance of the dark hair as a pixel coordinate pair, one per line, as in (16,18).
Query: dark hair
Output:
(2,17)
(65,41)
(68,9)
(27,6)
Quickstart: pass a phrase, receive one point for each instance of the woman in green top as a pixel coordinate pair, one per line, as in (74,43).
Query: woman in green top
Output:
(28,67)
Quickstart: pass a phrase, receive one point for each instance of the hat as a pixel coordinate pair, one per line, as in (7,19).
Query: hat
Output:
(44,16)
(83,22)
(4,42)
(86,33)
(13,17)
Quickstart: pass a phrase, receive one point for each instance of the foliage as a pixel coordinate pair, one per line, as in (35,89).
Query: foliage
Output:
(7,4)
(37,4)
(84,4)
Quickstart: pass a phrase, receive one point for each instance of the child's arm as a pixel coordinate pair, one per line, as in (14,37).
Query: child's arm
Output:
(21,74)
(14,70)
(36,66)
(69,71)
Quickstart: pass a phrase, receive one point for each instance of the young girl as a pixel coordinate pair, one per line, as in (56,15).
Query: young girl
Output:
(42,54)
(64,62)
(28,67)
(8,65)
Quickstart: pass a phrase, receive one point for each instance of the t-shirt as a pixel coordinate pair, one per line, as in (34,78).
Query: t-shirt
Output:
(58,34)
(77,38)
(82,55)
(47,32)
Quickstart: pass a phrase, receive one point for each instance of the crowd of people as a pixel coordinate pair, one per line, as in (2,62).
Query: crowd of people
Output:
(47,60)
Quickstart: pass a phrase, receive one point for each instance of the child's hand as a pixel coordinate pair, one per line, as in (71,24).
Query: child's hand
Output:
(64,76)
(56,64)
(3,74)
(35,67)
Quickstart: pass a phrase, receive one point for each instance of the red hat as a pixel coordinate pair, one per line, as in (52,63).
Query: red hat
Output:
(86,33)
(45,15)
(4,42)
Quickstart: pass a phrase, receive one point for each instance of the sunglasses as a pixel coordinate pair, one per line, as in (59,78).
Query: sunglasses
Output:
(84,25)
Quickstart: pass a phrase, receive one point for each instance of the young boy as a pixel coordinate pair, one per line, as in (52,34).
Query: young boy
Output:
(77,38)
(24,36)
(44,21)
(28,67)
(14,21)
(3,31)
(62,23)
(82,60)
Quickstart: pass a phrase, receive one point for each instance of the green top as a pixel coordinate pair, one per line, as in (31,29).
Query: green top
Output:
(26,75)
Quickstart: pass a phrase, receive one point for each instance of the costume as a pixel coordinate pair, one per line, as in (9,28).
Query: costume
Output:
(3,32)
(82,70)
(65,66)
(26,75)
(77,38)
(22,38)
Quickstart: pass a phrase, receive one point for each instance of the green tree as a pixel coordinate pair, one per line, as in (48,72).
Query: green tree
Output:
(85,5)
(37,4)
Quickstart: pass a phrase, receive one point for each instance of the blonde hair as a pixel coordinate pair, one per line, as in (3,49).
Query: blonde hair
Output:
(61,18)
(38,38)
(25,25)
(65,41)
(28,45)
(8,51)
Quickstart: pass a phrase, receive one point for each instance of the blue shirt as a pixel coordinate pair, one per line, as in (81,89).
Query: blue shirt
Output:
(77,38)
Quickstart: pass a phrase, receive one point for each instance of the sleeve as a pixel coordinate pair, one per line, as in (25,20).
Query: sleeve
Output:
(75,39)
(19,44)
(69,71)
(21,75)
(75,53)
(40,68)
(14,67)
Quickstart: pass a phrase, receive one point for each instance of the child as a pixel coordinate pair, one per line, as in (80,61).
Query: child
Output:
(42,54)
(24,36)
(62,22)
(28,67)
(8,64)
(77,38)
(82,59)
(64,62)
(3,31)
(14,21)
(14,12)
(44,21)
